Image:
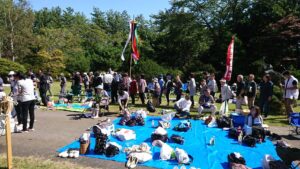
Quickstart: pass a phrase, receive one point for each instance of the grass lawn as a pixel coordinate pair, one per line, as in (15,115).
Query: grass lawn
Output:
(37,163)
(273,120)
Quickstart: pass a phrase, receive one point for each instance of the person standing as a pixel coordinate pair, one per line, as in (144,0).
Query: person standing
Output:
(43,87)
(251,90)
(178,88)
(266,93)
(291,91)
(27,99)
(226,92)
(161,83)
(14,94)
(212,85)
(156,92)
(202,86)
(97,80)
(63,84)
(49,83)
(114,88)
(167,88)
(86,81)
(107,80)
(240,91)
(133,88)
(192,88)
(142,88)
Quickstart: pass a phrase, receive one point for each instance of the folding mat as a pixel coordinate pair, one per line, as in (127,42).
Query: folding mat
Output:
(74,107)
(196,144)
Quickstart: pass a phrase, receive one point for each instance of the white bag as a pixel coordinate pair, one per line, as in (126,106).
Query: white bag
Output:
(168,116)
(166,152)
(213,123)
(160,131)
(224,108)
(266,160)
(181,156)
(141,156)
(125,134)
(141,113)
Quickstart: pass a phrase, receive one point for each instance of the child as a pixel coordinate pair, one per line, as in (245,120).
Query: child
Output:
(254,118)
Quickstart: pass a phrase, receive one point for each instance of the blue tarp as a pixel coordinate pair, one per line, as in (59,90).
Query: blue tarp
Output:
(196,144)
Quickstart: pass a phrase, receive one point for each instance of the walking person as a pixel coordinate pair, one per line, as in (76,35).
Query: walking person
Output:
(27,99)
(63,84)
(291,91)
(49,83)
(178,88)
(266,93)
(192,88)
(14,94)
(251,90)
(155,92)
(114,88)
(142,88)
(133,88)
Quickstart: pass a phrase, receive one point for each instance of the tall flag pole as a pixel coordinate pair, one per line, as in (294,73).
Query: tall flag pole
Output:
(229,60)
(127,42)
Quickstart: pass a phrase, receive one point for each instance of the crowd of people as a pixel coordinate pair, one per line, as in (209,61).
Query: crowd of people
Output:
(121,87)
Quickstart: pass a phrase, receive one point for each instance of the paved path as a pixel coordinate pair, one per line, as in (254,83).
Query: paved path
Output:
(55,129)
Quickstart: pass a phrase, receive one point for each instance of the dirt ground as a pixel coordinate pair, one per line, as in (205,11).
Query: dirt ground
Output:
(55,129)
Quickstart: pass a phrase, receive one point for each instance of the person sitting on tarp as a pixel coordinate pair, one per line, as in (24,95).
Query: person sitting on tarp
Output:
(183,105)
(123,99)
(207,103)
(254,118)
(100,97)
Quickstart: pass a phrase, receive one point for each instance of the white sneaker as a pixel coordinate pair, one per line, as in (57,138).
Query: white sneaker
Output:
(76,154)
(71,154)
(63,154)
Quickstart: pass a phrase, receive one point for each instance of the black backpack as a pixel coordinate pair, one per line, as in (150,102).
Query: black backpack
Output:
(234,133)
(249,141)
(140,121)
(177,139)
(100,147)
(150,107)
(278,164)
(183,126)
(233,159)
(111,151)
(224,122)
(258,133)
(163,138)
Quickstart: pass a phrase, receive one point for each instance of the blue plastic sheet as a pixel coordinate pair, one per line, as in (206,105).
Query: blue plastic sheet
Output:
(196,144)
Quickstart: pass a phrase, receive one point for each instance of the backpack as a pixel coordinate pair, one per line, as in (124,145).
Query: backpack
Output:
(163,138)
(177,139)
(150,107)
(249,141)
(224,122)
(234,133)
(236,158)
(140,121)
(131,122)
(258,133)
(183,126)
(100,146)
(111,151)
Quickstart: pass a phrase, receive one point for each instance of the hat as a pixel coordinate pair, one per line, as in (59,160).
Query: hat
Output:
(11,73)
(85,73)
(223,80)
(99,87)
(155,80)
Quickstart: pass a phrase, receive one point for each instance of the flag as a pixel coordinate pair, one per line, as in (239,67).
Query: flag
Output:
(134,41)
(229,60)
(127,42)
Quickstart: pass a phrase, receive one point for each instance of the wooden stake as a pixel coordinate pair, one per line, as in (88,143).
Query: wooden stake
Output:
(7,106)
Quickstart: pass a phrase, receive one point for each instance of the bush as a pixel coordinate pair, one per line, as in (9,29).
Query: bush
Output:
(276,106)
(7,65)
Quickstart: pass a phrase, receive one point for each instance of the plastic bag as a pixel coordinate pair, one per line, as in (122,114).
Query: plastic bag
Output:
(160,131)
(141,156)
(181,156)
(125,134)
(168,116)
(141,113)
(166,152)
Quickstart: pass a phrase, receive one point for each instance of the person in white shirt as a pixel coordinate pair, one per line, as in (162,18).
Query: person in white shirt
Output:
(107,80)
(192,88)
(27,100)
(226,92)
(183,105)
(291,91)
(123,99)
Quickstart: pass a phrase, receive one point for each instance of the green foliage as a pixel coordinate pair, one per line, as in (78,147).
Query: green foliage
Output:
(276,106)
(8,65)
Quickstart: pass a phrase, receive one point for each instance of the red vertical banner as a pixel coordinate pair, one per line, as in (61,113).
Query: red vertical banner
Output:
(229,60)
(134,41)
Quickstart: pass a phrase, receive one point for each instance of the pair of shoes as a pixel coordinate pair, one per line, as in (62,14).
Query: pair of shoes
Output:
(131,162)
(31,129)
(74,154)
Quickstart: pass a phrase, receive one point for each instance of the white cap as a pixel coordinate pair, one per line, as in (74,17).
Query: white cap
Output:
(11,73)
(99,87)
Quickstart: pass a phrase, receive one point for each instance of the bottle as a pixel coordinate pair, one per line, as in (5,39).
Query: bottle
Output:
(240,137)
(212,141)
(152,123)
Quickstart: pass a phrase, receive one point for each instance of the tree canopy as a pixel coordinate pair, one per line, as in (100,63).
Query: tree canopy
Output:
(190,36)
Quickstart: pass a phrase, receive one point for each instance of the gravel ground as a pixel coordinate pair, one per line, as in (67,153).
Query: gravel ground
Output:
(55,129)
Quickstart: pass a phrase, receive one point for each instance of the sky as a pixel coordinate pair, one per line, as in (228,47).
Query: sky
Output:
(133,7)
